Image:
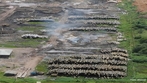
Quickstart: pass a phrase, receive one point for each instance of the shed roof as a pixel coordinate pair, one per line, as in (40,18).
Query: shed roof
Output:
(5,51)
(10,72)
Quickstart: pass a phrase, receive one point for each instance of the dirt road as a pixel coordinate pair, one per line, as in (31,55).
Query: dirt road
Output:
(7,13)
(23,60)
(33,62)
(28,67)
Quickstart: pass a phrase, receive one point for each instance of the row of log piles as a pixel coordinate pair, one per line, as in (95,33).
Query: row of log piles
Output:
(95,20)
(113,50)
(108,22)
(89,73)
(108,29)
(84,6)
(89,67)
(116,61)
(108,65)
(94,17)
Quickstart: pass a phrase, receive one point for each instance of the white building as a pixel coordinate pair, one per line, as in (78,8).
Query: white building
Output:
(5,53)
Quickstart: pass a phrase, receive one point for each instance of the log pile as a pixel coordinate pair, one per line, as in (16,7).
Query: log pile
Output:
(109,22)
(34,20)
(88,7)
(113,50)
(108,29)
(113,65)
(93,17)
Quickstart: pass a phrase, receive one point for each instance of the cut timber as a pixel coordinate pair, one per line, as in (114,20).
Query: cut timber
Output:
(114,22)
(92,17)
(100,66)
(108,29)
(65,52)
(81,48)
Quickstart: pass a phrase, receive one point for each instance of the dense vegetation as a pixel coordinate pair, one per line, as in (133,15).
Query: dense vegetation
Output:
(134,27)
(140,37)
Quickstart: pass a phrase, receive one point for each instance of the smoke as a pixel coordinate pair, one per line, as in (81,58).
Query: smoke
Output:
(58,30)
(51,28)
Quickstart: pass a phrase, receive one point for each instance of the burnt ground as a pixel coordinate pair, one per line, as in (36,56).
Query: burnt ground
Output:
(62,38)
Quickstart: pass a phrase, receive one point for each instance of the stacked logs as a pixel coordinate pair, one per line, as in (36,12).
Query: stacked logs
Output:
(88,66)
(88,7)
(34,20)
(89,73)
(92,61)
(109,22)
(113,50)
(93,17)
(108,29)
(113,65)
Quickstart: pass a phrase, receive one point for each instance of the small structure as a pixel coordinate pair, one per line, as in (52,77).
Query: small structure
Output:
(10,73)
(5,53)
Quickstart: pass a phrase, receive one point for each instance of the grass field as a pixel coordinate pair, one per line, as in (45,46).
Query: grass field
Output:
(26,42)
(23,43)
(42,67)
(4,79)
(30,28)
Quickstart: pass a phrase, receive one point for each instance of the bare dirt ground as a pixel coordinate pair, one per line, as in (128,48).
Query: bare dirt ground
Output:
(142,5)
(29,66)
(7,13)
(22,59)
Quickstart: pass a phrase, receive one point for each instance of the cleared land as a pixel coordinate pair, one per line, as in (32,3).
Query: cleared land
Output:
(98,29)
(141,5)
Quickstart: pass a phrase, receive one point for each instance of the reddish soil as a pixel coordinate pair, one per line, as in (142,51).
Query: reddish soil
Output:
(142,5)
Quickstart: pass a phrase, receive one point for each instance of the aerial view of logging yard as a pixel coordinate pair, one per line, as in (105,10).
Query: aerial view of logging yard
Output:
(73,41)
